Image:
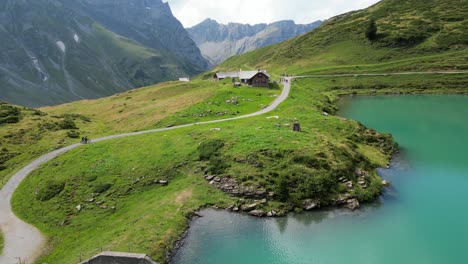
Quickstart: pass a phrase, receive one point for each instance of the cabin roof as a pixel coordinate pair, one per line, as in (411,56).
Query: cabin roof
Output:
(243,75)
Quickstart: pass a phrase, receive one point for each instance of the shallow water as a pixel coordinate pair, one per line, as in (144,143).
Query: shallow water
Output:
(422,218)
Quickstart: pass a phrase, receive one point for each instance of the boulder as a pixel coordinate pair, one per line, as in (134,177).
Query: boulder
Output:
(310,205)
(271,214)
(342,198)
(359,172)
(248,207)
(352,204)
(257,213)
(386,183)
(349,184)
(209,177)
(163,182)
(79,207)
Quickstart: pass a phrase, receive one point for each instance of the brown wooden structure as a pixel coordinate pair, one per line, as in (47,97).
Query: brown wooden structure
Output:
(258,78)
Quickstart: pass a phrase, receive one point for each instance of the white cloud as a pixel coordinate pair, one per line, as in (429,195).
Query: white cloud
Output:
(191,12)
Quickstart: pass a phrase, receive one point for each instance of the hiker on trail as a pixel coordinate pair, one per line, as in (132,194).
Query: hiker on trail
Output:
(296,127)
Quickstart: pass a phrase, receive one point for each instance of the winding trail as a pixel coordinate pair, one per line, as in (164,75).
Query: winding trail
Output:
(24,242)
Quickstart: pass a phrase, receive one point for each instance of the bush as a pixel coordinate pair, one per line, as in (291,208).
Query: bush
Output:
(282,189)
(67,123)
(51,189)
(371,31)
(217,165)
(9,114)
(209,148)
(73,134)
(5,156)
(90,178)
(101,187)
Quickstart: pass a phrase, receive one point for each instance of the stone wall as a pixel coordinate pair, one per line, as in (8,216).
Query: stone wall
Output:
(119,258)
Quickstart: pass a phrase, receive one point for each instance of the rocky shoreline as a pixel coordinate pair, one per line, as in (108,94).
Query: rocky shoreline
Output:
(253,200)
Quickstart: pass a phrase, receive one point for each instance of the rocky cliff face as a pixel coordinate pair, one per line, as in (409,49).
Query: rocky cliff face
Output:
(56,51)
(219,42)
(149,22)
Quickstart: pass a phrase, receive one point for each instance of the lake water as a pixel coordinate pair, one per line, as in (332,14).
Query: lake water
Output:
(422,218)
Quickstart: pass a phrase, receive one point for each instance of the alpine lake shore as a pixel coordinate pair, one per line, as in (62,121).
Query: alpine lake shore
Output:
(113,195)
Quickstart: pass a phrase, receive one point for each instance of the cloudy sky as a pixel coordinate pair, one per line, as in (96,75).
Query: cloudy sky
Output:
(191,12)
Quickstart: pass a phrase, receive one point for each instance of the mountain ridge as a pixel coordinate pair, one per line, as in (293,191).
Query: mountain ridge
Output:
(405,31)
(218,42)
(55,51)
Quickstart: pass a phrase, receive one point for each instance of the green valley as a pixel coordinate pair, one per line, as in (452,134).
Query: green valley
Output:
(139,193)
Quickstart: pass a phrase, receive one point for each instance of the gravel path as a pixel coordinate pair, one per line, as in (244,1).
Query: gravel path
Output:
(25,242)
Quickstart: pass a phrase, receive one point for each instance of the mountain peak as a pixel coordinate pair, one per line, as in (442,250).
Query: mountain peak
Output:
(220,41)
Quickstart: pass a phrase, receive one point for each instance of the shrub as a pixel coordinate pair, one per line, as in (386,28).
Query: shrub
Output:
(101,187)
(5,156)
(209,148)
(51,189)
(371,31)
(9,114)
(282,189)
(67,123)
(90,178)
(217,165)
(73,134)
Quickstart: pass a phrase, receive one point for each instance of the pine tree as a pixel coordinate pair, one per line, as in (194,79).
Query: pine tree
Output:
(371,32)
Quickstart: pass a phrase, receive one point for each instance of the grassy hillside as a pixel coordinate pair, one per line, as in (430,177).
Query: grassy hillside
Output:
(122,207)
(411,35)
(27,133)
(261,152)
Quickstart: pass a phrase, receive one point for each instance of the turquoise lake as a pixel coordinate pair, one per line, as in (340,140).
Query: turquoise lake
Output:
(422,218)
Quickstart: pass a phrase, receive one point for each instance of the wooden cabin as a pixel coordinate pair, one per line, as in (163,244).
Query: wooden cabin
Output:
(258,78)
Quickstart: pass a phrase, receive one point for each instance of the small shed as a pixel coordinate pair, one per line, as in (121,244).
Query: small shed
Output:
(184,79)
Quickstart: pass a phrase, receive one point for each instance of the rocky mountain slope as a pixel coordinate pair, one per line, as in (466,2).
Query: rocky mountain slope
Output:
(56,51)
(219,42)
